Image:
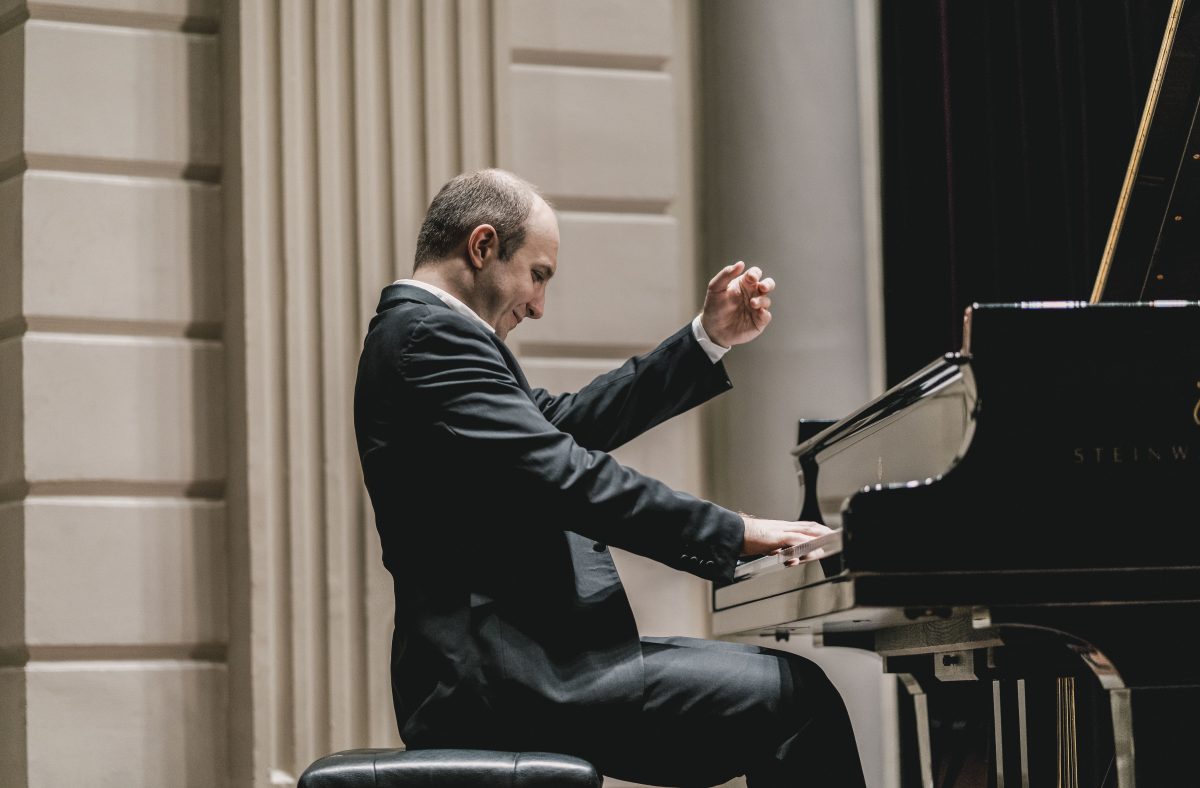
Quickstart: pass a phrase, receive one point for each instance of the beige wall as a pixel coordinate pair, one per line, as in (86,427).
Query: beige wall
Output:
(199,203)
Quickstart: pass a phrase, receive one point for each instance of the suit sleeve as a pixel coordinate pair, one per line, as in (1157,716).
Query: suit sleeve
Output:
(455,372)
(643,392)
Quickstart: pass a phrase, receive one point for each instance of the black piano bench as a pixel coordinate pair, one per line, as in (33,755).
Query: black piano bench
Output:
(449,769)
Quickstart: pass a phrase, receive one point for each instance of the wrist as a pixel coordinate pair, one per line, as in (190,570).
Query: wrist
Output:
(706,331)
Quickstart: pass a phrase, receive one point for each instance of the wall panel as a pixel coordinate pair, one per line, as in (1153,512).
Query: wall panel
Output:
(165,85)
(133,724)
(141,413)
(593,134)
(128,251)
(632,30)
(134,572)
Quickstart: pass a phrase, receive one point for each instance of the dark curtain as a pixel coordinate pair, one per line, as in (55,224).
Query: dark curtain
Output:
(1007,128)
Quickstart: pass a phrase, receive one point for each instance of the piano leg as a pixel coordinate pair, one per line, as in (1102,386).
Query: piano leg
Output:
(1152,681)
(951,729)
(921,708)
(1157,735)
(1021,725)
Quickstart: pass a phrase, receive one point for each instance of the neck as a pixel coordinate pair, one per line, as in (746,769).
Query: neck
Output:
(457,279)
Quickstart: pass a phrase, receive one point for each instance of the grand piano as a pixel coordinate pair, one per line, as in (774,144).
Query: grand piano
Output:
(1021,515)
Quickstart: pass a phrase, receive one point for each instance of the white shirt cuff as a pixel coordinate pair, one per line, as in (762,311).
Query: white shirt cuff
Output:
(710,348)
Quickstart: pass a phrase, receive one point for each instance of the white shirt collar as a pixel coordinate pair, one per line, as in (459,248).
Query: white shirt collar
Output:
(448,300)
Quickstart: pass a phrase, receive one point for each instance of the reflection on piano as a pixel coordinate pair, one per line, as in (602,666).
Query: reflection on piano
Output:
(1023,512)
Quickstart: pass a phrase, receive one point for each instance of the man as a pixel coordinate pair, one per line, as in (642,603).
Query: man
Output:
(495,504)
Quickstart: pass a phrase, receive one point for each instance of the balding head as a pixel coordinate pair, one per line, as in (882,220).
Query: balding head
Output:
(494,197)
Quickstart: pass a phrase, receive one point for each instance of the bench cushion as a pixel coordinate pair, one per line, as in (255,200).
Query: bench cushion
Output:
(449,769)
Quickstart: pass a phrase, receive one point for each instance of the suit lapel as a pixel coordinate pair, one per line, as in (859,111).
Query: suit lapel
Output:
(513,366)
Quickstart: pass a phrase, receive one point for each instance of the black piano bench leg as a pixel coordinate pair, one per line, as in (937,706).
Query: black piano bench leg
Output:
(449,769)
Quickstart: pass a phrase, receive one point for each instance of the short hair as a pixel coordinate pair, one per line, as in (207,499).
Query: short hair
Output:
(494,197)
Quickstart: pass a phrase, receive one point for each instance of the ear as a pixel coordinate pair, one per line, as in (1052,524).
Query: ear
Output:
(483,246)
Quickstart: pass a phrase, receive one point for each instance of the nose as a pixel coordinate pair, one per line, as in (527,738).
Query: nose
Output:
(536,307)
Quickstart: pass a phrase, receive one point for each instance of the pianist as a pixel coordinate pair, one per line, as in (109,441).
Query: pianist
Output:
(495,504)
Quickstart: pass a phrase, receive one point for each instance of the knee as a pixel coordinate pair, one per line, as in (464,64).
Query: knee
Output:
(809,691)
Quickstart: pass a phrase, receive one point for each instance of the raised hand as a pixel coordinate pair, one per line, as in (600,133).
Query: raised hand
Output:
(736,306)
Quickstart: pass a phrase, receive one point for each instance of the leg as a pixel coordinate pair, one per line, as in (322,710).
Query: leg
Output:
(714,710)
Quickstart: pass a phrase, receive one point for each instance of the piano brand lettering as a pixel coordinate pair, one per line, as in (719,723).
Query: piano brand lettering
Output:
(1116,455)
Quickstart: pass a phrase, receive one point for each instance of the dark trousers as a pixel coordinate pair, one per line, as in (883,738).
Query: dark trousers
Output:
(714,710)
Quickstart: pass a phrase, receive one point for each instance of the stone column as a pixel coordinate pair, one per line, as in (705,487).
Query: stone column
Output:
(791,184)
(112,395)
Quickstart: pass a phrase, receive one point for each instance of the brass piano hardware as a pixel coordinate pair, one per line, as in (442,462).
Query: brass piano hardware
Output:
(1196,156)
(1139,145)
(1178,218)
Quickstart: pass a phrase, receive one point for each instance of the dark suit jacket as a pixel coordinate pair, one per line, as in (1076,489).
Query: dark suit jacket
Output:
(494,503)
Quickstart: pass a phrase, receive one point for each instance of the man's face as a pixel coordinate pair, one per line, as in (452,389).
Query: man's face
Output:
(516,288)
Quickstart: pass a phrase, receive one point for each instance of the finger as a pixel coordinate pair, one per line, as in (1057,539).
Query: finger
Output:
(749,280)
(725,276)
(761,302)
(766,285)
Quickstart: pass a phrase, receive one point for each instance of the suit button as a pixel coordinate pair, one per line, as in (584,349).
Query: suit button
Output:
(709,563)
(599,548)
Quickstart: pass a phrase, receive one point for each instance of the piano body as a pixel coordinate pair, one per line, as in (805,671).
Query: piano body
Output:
(1023,512)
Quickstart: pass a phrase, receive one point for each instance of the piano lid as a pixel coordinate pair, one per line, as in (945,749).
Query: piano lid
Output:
(1151,252)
